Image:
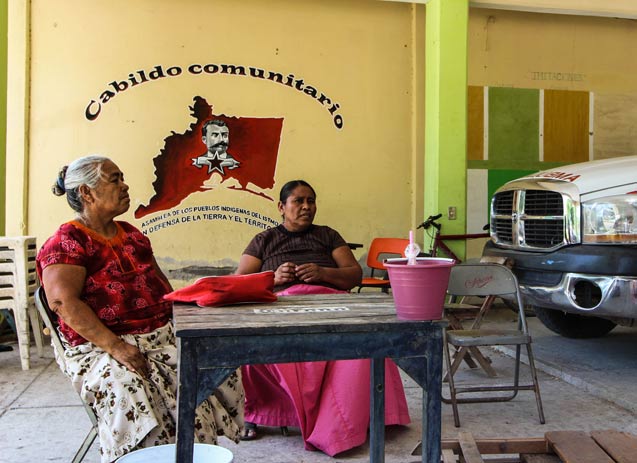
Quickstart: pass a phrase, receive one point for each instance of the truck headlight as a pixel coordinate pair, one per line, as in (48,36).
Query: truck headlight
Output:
(610,220)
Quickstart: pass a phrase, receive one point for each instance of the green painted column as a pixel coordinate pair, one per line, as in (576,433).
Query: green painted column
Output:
(446,114)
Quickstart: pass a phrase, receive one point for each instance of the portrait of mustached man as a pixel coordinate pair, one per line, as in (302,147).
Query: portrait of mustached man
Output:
(216,136)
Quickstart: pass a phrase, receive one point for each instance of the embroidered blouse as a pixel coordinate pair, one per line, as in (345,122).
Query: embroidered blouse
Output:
(122,285)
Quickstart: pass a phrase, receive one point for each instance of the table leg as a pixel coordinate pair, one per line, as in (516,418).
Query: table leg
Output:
(431,413)
(377,411)
(186,400)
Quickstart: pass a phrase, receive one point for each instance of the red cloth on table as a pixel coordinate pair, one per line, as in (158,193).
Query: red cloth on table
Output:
(329,400)
(227,289)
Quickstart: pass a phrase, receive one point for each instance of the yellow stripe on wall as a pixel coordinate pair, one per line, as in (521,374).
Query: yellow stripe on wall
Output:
(475,128)
(566,126)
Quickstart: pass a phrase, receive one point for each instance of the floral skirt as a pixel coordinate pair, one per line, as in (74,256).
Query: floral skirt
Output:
(133,412)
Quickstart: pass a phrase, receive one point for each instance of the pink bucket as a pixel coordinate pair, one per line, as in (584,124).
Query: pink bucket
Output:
(419,290)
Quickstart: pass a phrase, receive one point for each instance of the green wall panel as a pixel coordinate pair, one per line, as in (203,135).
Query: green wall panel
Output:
(513,124)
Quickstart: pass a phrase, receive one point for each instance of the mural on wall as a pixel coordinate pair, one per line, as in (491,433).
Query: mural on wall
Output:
(217,151)
(242,151)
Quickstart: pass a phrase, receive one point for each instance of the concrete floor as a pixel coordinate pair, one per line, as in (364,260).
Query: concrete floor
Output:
(589,385)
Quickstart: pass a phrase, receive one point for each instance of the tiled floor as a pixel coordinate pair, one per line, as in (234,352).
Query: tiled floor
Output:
(41,418)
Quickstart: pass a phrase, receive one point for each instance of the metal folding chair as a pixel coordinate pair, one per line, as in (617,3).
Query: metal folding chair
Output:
(458,313)
(488,280)
(50,321)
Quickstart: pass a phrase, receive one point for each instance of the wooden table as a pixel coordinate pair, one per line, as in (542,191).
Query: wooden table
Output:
(214,342)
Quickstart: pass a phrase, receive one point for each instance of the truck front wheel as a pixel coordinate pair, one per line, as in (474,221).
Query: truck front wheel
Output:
(572,325)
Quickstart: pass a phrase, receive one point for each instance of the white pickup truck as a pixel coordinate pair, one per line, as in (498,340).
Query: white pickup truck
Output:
(571,233)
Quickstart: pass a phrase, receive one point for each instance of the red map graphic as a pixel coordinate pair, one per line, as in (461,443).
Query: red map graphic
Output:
(254,142)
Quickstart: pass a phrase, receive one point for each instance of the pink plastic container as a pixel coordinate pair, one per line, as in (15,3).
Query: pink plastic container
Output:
(419,290)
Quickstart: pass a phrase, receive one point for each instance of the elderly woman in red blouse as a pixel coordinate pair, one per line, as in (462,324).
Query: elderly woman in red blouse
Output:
(102,280)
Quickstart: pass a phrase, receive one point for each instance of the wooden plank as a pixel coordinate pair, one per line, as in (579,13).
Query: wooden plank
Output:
(469,448)
(619,445)
(510,445)
(500,459)
(576,447)
(539,458)
(448,456)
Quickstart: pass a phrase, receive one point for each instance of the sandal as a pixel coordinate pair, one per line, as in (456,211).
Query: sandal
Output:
(250,431)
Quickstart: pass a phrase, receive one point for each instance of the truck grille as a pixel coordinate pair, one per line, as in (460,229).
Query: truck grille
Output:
(530,219)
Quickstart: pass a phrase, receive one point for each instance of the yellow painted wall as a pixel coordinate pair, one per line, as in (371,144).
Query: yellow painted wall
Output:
(559,52)
(357,52)
(367,55)
(584,54)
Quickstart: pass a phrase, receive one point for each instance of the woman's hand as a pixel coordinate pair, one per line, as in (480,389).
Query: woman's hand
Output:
(64,283)
(285,273)
(345,276)
(130,356)
(309,273)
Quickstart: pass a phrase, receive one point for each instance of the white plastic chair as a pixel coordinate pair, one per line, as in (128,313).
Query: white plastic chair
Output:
(18,282)
(485,279)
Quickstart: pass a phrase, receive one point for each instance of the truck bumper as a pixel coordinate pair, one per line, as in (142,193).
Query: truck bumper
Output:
(611,296)
(593,280)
